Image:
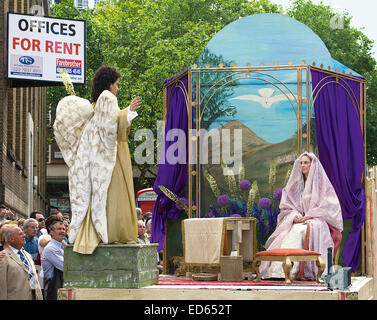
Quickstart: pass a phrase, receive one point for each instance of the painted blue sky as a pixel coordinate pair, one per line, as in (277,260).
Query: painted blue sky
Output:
(275,124)
(269,38)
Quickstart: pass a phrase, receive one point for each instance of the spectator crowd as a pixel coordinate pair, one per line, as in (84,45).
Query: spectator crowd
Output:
(32,253)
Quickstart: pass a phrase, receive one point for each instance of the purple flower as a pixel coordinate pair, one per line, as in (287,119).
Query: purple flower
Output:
(236,215)
(245,185)
(277,193)
(235,208)
(264,203)
(223,200)
(213,212)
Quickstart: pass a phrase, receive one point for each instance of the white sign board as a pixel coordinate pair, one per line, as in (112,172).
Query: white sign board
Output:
(39,46)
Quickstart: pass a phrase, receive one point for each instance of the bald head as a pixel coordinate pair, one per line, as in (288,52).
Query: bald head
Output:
(15,237)
(141,228)
(5,226)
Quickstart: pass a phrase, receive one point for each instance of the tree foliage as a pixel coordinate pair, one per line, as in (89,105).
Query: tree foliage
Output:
(349,46)
(149,41)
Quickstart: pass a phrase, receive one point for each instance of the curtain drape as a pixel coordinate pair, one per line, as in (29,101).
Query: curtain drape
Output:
(171,175)
(341,151)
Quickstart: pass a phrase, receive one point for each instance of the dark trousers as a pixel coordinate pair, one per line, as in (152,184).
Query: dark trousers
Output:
(52,285)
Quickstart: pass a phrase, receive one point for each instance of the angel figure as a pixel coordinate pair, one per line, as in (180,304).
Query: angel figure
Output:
(93,139)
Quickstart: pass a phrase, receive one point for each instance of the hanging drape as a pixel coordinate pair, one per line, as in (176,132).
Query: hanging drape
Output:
(341,150)
(171,175)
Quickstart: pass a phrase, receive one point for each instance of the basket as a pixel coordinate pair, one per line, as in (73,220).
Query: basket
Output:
(204,276)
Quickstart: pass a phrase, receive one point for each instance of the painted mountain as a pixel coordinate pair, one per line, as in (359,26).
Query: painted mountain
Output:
(251,143)
(256,156)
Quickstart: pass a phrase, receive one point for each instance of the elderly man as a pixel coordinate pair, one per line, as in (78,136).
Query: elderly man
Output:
(141,235)
(31,241)
(37,215)
(18,278)
(53,260)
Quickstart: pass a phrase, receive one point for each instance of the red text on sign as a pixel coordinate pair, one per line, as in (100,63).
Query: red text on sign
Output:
(27,44)
(50,46)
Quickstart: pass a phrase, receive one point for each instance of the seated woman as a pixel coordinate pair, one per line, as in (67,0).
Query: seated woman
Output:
(310,217)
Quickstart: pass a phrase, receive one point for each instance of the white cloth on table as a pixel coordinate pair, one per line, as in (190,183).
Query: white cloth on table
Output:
(203,240)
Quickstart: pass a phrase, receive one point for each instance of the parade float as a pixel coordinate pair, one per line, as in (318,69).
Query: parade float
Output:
(264,90)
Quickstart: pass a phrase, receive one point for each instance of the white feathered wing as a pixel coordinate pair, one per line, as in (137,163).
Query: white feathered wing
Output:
(87,140)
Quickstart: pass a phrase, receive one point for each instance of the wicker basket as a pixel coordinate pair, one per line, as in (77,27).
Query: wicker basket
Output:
(204,276)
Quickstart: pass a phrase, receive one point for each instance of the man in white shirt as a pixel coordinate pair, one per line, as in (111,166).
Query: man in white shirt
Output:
(53,260)
(37,215)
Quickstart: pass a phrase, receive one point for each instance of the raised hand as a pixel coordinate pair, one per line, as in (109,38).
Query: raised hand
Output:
(135,104)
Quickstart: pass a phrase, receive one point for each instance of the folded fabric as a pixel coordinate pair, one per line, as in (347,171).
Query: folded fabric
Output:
(203,240)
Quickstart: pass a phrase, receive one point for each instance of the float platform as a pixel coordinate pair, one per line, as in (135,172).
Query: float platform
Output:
(179,288)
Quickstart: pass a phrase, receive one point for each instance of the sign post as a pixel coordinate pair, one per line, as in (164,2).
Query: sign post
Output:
(38,46)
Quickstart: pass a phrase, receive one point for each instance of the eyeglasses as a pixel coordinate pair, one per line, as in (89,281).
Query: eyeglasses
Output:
(40,219)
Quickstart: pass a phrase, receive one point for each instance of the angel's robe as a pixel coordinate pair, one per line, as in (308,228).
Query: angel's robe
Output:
(100,171)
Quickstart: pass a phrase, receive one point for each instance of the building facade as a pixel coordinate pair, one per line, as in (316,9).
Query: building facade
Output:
(81,4)
(22,128)
(57,181)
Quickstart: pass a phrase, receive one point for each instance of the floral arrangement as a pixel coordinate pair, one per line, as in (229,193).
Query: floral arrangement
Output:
(243,200)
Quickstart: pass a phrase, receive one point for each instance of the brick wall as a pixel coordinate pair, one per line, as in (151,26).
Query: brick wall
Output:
(15,106)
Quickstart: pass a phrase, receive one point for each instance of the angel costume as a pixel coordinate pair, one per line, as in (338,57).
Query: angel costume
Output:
(316,198)
(94,143)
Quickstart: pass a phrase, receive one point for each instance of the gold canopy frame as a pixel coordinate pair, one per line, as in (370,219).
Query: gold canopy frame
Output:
(262,73)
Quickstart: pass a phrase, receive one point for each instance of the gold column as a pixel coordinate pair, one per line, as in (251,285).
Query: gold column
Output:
(197,130)
(308,113)
(189,140)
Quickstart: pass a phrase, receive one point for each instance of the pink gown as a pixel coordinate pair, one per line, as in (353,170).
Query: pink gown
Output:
(316,198)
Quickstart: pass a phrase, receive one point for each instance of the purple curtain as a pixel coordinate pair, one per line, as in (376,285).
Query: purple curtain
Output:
(171,175)
(341,151)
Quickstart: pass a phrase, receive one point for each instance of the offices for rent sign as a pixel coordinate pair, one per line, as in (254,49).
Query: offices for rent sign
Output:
(39,46)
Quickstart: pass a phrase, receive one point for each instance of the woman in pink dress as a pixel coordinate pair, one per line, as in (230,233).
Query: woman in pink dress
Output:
(310,218)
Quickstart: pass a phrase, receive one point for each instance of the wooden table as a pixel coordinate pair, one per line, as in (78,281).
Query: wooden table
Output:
(241,237)
(287,257)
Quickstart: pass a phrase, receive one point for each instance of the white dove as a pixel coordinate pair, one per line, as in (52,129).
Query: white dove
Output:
(265,98)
